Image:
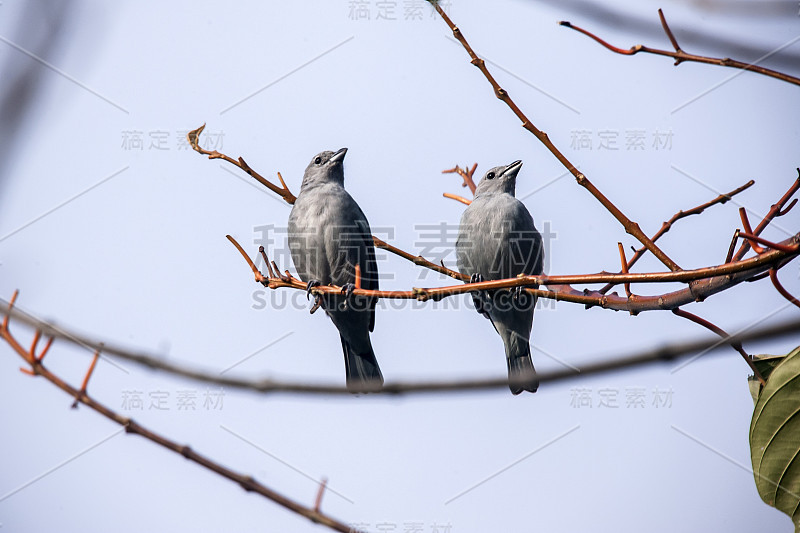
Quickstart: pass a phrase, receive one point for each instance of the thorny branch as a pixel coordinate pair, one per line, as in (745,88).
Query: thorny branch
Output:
(667,353)
(630,226)
(248,483)
(680,56)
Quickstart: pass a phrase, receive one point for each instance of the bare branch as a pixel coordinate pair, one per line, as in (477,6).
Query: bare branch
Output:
(283,191)
(773,276)
(706,281)
(666,226)
(630,226)
(663,354)
(680,56)
(775,211)
(466,175)
(719,331)
(249,484)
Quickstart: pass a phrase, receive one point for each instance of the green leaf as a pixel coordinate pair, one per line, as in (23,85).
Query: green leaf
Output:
(765,364)
(775,438)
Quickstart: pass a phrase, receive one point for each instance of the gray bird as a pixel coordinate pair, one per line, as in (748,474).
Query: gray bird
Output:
(497,240)
(328,236)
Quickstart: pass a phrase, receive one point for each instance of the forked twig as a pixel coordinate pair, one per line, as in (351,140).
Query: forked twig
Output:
(666,226)
(680,56)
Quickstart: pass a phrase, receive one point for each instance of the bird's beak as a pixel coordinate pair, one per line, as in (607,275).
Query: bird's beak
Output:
(513,168)
(339,156)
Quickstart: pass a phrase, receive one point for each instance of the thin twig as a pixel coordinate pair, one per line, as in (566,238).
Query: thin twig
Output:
(736,345)
(246,482)
(775,211)
(624,262)
(773,276)
(680,56)
(456,198)
(755,239)
(748,231)
(193,137)
(732,247)
(419,260)
(466,175)
(630,226)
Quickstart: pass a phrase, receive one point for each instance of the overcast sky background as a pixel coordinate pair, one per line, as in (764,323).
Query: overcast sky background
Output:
(126,242)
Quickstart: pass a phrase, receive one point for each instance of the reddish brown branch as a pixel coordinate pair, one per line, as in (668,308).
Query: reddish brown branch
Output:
(193,137)
(456,198)
(419,260)
(755,239)
(320,492)
(736,345)
(732,247)
(249,484)
(630,226)
(773,276)
(680,56)
(666,226)
(466,175)
(624,268)
(748,231)
(705,282)
(775,211)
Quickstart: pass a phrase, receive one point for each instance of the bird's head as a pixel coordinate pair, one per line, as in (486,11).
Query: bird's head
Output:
(499,180)
(325,167)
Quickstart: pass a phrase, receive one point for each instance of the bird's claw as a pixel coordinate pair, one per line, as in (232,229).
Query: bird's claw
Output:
(310,285)
(347,290)
(477,299)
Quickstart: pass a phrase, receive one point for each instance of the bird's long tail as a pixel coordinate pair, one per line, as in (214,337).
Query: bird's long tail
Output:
(361,369)
(521,374)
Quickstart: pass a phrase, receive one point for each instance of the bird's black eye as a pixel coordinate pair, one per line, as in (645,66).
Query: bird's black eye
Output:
(318,160)
(490,176)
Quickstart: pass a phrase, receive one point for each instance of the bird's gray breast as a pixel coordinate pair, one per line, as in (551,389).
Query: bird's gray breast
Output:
(497,239)
(326,235)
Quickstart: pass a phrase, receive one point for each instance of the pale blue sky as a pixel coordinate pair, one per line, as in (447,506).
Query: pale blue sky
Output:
(140,258)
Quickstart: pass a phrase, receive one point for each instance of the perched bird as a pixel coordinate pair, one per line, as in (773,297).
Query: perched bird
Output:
(328,236)
(497,240)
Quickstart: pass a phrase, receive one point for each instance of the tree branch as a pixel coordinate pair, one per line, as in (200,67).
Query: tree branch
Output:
(777,210)
(248,483)
(630,226)
(666,226)
(680,56)
(283,191)
(667,353)
(736,345)
(706,281)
